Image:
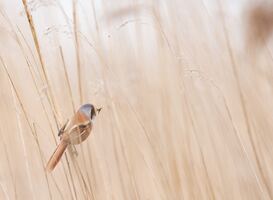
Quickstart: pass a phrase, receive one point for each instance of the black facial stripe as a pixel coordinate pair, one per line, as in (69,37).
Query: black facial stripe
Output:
(93,112)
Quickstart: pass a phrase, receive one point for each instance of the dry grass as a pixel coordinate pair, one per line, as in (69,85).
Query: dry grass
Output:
(186,113)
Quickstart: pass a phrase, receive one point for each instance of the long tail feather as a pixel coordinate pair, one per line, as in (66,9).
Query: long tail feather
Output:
(56,156)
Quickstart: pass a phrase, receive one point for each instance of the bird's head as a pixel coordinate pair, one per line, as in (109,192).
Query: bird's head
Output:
(90,110)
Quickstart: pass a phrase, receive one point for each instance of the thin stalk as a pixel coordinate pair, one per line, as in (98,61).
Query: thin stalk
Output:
(78,172)
(38,49)
(10,168)
(16,94)
(20,132)
(71,176)
(243,104)
(77,48)
(4,191)
(41,158)
(67,80)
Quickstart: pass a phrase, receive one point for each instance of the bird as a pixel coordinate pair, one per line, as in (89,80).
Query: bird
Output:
(73,132)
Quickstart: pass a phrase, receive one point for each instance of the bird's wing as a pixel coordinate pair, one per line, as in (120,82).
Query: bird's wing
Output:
(78,130)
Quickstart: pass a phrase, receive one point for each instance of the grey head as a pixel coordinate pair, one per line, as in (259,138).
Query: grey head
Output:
(90,110)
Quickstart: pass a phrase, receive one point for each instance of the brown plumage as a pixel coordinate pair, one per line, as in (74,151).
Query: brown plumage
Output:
(75,131)
(56,156)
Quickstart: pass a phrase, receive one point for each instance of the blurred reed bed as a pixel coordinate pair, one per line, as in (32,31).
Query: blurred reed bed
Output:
(186,114)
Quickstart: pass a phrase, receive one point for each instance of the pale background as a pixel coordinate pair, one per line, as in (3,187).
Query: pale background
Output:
(187,113)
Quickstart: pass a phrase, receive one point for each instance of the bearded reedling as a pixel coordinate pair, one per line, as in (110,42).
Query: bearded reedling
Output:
(75,131)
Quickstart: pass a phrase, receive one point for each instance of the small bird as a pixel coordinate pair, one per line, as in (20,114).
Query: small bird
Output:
(74,131)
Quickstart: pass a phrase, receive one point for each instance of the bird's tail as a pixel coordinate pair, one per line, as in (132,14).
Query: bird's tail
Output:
(56,156)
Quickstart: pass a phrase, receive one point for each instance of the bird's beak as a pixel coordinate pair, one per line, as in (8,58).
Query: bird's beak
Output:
(98,110)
